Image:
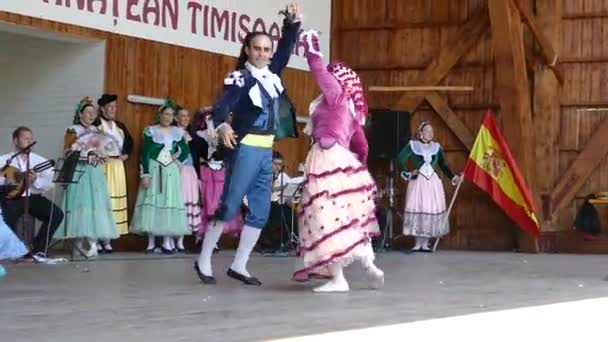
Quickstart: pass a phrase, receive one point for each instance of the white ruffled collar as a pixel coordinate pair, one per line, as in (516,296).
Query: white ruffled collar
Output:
(166,138)
(269,80)
(215,165)
(427,151)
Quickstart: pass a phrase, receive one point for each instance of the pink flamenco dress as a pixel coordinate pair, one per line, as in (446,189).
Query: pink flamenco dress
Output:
(212,184)
(337,217)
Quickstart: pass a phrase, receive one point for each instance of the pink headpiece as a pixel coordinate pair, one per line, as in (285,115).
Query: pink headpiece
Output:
(351,84)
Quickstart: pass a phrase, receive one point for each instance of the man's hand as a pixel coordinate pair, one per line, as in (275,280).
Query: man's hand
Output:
(293,10)
(227,136)
(124,157)
(32,178)
(145,182)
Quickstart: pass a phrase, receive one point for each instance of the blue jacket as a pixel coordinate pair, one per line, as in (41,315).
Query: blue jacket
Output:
(235,97)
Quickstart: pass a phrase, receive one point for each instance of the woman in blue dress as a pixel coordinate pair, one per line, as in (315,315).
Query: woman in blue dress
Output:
(10,246)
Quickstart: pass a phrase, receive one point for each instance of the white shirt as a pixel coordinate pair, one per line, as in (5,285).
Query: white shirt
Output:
(44,180)
(276,187)
(290,187)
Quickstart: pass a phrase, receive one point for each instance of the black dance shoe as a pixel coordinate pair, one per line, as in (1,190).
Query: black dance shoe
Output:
(245,280)
(205,279)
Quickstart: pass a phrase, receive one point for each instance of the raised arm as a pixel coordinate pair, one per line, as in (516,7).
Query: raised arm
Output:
(289,35)
(331,89)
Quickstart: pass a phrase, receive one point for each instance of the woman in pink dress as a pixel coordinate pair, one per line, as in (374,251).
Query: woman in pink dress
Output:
(212,173)
(337,217)
(189,176)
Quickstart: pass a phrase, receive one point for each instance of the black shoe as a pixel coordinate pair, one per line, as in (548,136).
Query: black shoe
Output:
(205,279)
(426,250)
(166,251)
(245,280)
(150,250)
(180,250)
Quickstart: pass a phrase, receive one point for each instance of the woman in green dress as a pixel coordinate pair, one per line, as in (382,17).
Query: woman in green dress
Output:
(160,209)
(86,202)
(425,209)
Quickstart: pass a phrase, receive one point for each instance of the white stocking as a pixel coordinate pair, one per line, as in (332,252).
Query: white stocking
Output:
(167,245)
(180,242)
(338,282)
(249,237)
(151,242)
(212,236)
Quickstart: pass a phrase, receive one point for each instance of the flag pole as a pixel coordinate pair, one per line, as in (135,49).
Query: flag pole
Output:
(447,215)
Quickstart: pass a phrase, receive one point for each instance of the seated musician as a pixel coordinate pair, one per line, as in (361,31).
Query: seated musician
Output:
(280,208)
(40,207)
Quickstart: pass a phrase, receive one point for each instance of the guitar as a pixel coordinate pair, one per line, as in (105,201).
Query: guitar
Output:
(15,178)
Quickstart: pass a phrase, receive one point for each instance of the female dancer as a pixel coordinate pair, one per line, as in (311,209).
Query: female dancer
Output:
(86,204)
(10,245)
(159,208)
(189,175)
(425,209)
(338,212)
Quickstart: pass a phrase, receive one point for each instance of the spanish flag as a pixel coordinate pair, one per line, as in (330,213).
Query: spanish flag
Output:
(492,168)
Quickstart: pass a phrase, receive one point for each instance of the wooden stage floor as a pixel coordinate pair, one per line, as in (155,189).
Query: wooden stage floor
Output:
(142,298)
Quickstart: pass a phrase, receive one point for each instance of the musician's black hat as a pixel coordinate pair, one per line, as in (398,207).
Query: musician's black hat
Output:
(106,98)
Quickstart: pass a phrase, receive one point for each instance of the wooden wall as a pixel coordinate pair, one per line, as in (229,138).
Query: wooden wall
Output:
(584,56)
(193,78)
(390,42)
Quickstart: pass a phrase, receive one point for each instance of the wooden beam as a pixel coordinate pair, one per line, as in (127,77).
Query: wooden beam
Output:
(547,111)
(574,178)
(512,88)
(461,43)
(420,88)
(546,46)
(531,62)
(449,117)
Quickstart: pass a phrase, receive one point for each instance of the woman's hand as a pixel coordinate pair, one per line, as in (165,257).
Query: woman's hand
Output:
(457,179)
(145,182)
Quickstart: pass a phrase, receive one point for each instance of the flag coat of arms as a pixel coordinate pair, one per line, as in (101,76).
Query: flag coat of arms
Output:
(492,168)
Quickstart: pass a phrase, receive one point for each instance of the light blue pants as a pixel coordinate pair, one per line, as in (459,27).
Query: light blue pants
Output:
(249,173)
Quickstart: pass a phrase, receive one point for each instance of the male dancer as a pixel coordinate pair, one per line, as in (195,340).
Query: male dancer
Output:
(252,93)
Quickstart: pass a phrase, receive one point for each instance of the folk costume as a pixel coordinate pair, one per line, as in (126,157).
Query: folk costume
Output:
(86,203)
(114,168)
(159,209)
(425,204)
(10,245)
(337,216)
(191,191)
(213,175)
(261,113)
